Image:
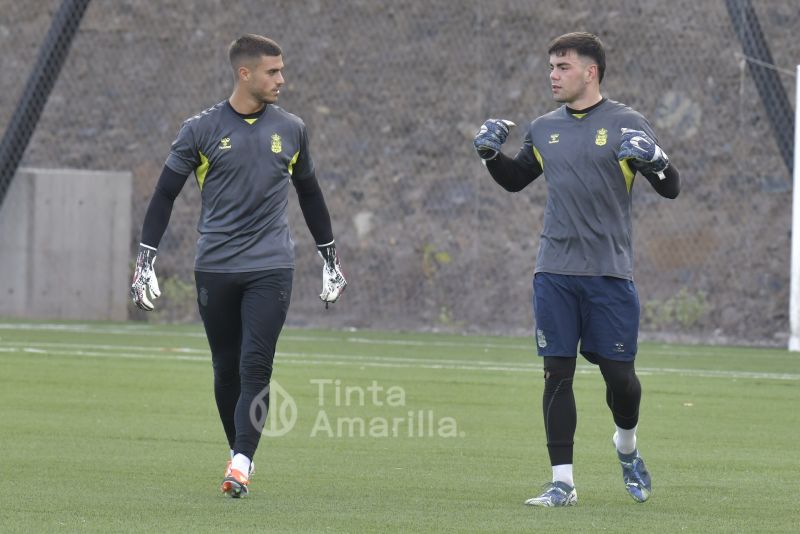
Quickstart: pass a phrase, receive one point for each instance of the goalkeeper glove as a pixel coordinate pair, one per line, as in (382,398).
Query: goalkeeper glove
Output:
(491,137)
(145,286)
(333,282)
(647,155)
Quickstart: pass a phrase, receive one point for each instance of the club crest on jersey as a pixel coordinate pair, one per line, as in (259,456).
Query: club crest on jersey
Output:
(553,139)
(602,137)
(225,143)
(276,143)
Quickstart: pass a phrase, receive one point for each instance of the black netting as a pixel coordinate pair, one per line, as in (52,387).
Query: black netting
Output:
(45,70)
(393,92)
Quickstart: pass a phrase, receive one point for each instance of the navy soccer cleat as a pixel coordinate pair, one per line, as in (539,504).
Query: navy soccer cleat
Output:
(635,476)
(555,494)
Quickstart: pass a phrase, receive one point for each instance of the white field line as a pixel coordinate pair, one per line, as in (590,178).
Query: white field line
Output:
(94,329)
(202,355)
(192,354)
(150,331)
(290,358)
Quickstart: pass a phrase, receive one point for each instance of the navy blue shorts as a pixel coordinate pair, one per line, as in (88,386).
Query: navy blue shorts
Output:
(602,312)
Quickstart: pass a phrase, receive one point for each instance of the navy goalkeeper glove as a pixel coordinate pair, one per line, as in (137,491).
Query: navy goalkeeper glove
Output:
(144,288)
(640,147)
(491,137)
(333,282)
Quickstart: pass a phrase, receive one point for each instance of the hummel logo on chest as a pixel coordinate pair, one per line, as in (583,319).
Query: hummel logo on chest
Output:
(225,143)
(553,139)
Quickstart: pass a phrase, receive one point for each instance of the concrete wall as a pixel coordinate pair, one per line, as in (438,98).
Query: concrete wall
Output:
(65,245)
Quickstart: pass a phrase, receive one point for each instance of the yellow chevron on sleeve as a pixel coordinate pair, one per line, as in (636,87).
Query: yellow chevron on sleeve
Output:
(627,172)
(538,157)
(294,160)
(201,171)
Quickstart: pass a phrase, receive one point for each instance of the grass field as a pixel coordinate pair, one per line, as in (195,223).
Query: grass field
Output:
(113,427)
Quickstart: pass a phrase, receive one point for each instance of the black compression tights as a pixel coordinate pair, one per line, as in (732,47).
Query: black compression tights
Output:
(623,394)
(623,391)
(243,314)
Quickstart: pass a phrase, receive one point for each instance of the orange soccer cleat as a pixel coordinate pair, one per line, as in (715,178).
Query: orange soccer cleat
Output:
(235,482)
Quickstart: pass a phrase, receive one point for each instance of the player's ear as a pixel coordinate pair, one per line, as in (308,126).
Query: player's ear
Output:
(244,73)
(592,72)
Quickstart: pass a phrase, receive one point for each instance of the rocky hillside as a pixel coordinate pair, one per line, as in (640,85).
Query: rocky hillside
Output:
(392,93)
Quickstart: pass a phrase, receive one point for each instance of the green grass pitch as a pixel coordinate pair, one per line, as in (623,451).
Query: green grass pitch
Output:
(113,427)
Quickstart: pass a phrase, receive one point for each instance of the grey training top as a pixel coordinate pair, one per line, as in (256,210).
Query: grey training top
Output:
(587,219)
(243,167)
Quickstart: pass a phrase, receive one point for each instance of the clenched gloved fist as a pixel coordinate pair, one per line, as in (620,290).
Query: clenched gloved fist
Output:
(491,137)
(640,147)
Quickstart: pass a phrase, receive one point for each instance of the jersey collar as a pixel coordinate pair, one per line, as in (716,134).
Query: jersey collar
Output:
(581,113)
(250,118)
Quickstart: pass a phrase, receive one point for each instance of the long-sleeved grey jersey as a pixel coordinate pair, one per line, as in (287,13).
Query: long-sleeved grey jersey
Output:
(243,167)
(587,219)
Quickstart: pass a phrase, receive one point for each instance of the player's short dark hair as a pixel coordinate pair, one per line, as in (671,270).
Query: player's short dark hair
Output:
(251,46)
(584,44)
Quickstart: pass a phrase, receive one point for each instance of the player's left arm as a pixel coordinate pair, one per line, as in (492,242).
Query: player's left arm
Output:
(640,148)
(318,219)
(667,183)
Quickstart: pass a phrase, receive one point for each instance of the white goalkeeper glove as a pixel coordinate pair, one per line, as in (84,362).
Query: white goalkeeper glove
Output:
(145,286)
(333,282)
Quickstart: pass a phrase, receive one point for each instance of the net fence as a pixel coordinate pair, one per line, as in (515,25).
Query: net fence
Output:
(393,93)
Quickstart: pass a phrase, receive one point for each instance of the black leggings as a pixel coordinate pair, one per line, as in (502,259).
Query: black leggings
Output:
(243,314)
(623,394)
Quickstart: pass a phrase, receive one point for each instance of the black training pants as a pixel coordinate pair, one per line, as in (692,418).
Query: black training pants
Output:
(243,314)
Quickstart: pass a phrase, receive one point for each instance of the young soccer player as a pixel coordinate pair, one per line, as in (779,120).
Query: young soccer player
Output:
(589,151)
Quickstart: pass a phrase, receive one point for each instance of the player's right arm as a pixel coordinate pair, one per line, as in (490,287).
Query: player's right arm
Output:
(511,174)
(159,210)
(182,160)
(144,288)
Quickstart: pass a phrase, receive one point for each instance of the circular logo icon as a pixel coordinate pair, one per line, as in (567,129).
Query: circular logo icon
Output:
(279,417)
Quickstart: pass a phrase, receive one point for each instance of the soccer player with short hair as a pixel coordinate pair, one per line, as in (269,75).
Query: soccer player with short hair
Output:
(244,152)
(589,151)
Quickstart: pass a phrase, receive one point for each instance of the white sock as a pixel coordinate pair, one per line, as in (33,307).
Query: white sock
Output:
(241,463)
(625,440)
(563,473)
